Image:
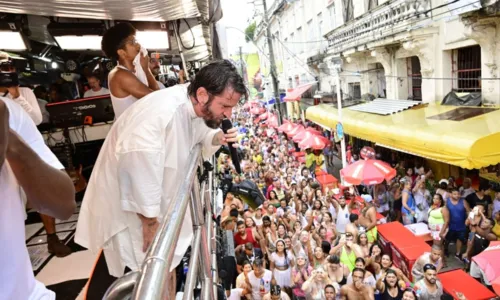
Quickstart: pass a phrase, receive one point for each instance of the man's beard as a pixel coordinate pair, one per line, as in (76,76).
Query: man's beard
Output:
(210,120)
(431,281)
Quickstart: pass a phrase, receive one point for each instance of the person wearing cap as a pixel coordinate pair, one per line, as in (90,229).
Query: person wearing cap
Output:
(300,273)
(276,294)
(443,189)
(429,287)
(248,253)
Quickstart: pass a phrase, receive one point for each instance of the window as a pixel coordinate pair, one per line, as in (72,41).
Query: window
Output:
(370,4)
(414,78)
(310,31)
(300,45)
(348,10)
(331,12)
(320,29)
(354,90)
(466,69)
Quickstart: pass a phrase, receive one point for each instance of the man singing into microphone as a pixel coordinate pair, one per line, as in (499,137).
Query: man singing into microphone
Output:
(142,163)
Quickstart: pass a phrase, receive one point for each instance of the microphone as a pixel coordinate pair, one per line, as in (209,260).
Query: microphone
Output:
(226,125)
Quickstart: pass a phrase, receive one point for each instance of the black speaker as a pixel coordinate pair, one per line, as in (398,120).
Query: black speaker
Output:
(249,192)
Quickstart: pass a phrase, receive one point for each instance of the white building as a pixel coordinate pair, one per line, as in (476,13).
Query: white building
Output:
(297,28)
(399,49)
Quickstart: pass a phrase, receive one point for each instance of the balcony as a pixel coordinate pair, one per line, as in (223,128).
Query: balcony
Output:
(386,20)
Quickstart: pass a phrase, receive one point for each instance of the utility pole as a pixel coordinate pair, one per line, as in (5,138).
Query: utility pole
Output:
(241,64)
(272,61)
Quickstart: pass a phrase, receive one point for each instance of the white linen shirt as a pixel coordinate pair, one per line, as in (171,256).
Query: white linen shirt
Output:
(16,274)
(140,167)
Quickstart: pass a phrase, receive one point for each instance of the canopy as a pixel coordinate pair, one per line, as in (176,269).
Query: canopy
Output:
(470,143)
(138,10)
(296,93)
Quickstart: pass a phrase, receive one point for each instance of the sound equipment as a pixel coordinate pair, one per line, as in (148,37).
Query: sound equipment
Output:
(249,192)
(226,125)
(85,111)
(75,174)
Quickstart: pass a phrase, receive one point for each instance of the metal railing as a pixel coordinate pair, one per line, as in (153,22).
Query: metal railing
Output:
(152,281)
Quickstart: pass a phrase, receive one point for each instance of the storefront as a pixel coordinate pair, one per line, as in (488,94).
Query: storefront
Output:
(464,137)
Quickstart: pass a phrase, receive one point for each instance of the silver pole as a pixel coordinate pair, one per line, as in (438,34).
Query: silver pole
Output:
(122,287)
(339,108)
(153,283)
(196,206)
(193,265)
(212,242)
(179,45)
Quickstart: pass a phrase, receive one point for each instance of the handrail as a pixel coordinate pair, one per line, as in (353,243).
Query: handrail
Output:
(151,282)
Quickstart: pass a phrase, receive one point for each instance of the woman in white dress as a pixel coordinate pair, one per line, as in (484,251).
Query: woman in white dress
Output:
(282,262)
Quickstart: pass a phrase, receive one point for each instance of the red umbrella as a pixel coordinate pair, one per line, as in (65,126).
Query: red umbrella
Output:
(286,127)
(314,142)
(369,172)
(312,130)
(324,139)
(489,263)
(295,130)
(272,121)
(264,116)
(257,110)
(302,136)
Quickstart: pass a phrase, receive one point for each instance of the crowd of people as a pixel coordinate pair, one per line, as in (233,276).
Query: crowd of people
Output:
(310,242)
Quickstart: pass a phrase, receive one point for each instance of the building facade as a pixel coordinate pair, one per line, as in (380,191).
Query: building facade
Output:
(397,49)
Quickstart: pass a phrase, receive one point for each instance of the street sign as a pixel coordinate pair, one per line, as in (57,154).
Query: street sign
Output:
(340,131)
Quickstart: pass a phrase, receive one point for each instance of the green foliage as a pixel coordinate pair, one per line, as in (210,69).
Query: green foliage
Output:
(250,32)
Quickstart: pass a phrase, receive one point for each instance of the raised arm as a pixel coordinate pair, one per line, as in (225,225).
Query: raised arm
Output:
(28,102)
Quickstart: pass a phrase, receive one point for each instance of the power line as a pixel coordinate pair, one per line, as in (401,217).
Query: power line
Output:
(295,57)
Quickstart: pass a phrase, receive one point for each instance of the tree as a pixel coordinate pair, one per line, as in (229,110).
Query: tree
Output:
(250,32)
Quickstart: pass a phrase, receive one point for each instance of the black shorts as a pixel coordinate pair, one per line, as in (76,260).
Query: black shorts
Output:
(453,235)
(398,204)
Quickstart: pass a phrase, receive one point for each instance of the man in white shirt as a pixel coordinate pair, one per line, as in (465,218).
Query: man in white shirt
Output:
(95,87)
(260,280)
(27,163)
(21,95)
(143,162)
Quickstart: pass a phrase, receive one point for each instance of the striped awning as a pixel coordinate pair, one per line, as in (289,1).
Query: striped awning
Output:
(385,107)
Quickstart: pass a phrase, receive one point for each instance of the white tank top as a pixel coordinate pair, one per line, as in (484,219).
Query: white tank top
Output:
(121,104)
(342,219)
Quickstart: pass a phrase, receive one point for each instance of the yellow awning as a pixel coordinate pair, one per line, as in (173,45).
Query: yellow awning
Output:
(472,143)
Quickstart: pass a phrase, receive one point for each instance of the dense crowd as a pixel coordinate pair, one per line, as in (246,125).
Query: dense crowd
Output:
(307,241)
